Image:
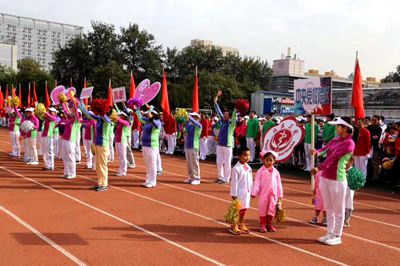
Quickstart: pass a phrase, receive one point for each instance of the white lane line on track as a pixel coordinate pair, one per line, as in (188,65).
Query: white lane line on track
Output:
(117,218)
(359,217)
(295,202)
(43,237)
(218,222)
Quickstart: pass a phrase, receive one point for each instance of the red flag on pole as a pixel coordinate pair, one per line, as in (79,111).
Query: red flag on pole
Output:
(164,96)
(1,99)
(7,94)
(196,94)
(47,101)
(35,99)
(357,100)
(19,96)
(29,95)
(132,87)
(110,96)
(13,93)
(85,101)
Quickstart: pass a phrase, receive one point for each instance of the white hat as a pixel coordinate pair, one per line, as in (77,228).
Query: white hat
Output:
(151,111)
(128,110)
(274,153)
(246,117)
(30,109)
(340,121)
(215,118)
(52,109)
(194,114)
(79,111)
(122,113)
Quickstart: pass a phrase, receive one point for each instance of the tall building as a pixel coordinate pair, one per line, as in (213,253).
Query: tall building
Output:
(35,38)
(226,50)
(8,56)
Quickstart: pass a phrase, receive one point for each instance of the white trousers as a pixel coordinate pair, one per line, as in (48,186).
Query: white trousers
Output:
(27,156)
(361,162)
(224,158)
(212,145)
(307,148)
(33,154)
(89,155)
(150,160)
(171,139)
(60,146)
(203,148)
(111,152)
(121,152)
(16,149)
(159,164)
(39,141)
(135,139)
(56,144)
(192,163)
(349,198)
(334,195)
(78,154)
(48,152)
(251,144)
(85,151)
(68,157)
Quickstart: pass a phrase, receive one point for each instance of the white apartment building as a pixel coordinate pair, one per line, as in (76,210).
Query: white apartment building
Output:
(35,38)
(226,50)
(8,56)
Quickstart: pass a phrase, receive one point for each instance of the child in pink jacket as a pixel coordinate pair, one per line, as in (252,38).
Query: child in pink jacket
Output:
(268,188)
(318,202)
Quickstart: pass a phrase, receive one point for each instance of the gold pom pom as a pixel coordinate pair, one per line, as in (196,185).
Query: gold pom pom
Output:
(40,110)
(181,116)
(280,214)
(71,94)
(14,102)
(114,116)
(62,98)
(232,216)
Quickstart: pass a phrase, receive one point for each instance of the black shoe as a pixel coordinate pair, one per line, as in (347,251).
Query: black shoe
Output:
(217,180)
(159,173)
(103,188)
(221,182)
(94,188)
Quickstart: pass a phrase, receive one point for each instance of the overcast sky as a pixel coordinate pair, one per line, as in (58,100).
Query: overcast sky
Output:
(326,34)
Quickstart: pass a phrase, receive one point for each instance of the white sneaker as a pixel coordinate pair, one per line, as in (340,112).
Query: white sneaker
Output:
(322,239)
(33,163)
(333,241)
(131,166)
(187,180)
(70,177)
(118,174)
(195,182)
(147,185)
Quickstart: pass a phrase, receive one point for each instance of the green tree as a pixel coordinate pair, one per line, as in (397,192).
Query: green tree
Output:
(392,76)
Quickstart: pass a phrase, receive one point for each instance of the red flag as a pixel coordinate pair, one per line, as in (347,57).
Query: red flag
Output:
(7,94)
(85,101)
(47,101)
(29,95)
(1,99)
(196,94)
(35,99)
(164,96)
(20,96)
(13,93)
(110,96)
(357,100)
(132,87)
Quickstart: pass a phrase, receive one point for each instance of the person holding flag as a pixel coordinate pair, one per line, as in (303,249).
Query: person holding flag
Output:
(225,142)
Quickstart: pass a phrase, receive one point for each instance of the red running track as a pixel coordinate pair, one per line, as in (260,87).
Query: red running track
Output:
(47,220)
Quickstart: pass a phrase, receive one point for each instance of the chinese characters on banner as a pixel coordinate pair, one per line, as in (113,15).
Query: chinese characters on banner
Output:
(313,96)
(86,93)
(119,95)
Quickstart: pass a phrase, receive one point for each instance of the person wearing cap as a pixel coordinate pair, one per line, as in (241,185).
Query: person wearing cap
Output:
(126,131)
(69,139)
(111,136)
(50,120)
(170,128)
(121,142)
(14,122)
(31,136)
(266,126)
(253,127)
(192,143)
(89,126)
(150,144)
(205,131)
(213,138)
(225,143)
(333,182)
(78,154)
